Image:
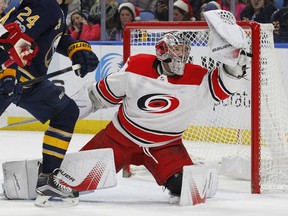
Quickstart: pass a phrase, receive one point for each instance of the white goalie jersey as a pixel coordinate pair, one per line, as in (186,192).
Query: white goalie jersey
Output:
(156,109)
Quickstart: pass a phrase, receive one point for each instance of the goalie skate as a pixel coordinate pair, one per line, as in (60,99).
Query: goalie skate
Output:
(50,191)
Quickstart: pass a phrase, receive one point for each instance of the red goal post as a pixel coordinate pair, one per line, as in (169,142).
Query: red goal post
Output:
(139,37)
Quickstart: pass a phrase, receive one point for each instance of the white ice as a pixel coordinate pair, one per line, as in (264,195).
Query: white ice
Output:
(139,196)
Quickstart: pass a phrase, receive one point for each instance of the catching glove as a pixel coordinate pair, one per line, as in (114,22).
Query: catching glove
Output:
(9,89)
(19,46)
(81,53)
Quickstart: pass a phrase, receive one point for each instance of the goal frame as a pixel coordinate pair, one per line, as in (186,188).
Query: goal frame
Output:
(255,79)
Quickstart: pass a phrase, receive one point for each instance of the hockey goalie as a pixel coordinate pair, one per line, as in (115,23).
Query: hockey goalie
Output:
(158,96)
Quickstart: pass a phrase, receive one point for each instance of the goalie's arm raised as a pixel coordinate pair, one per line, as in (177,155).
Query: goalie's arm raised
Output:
(229,45)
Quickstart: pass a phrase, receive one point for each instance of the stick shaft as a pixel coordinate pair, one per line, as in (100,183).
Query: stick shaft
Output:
(50,75)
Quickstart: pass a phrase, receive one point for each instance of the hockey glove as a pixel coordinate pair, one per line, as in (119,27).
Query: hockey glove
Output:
(19,46)
(81,53)
(9,89)
(241,68)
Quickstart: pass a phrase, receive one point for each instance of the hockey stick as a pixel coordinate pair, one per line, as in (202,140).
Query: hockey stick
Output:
(28,121)
(52,74)
(7,15)
(36,80)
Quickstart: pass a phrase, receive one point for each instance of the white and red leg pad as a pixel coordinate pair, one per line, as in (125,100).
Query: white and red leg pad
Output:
(83,171)
(199,182)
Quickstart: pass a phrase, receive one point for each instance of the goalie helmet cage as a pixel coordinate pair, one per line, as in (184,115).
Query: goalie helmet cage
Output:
(248,128)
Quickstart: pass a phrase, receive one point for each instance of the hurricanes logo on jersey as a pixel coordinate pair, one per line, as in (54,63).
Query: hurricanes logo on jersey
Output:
(158,103)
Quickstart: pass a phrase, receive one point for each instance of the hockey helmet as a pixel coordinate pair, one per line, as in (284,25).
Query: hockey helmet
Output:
(174,48)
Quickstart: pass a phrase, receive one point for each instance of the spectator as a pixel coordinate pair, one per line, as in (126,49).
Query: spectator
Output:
(239,7)
(81,29)
(162,10)
(212,5)
(111,13)
(183,11)
(280,21)
(127,13)
(196,5)
(75,5)
(3,5)
(144,5)
(258,10)
(87,4)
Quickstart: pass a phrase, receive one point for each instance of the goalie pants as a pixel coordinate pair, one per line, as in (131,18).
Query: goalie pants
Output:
(171,158)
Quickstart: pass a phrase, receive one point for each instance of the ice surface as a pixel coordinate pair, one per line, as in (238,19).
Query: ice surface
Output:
(136,196)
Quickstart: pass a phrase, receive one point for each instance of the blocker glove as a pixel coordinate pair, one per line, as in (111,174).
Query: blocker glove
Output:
(9,88)
(20,47)
(81,53)
(242,67)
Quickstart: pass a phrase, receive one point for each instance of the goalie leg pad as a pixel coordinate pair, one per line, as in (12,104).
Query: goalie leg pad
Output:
(199,182)
(82,171)
(20,178)
(89,170)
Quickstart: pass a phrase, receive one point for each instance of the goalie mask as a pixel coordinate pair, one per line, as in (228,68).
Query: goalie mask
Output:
(174,49)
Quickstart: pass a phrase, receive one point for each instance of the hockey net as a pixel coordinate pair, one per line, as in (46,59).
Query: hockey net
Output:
(246,134)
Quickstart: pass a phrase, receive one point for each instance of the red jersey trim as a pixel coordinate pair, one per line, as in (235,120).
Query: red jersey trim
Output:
(144,135)
(103,89)
(218,91)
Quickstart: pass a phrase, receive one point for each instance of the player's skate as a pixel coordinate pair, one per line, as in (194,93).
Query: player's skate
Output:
(49,190)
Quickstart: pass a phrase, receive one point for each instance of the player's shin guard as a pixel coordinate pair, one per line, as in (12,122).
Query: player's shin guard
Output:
(199,182)
(58,136)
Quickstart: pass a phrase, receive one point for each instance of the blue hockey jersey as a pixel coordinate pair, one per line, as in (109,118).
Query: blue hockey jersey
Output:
(44,21)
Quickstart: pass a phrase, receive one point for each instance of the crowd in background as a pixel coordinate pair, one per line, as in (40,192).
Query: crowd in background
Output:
(120,12)
(84,17)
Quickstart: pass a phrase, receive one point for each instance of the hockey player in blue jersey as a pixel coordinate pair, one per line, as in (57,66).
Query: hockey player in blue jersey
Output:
(44,21)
